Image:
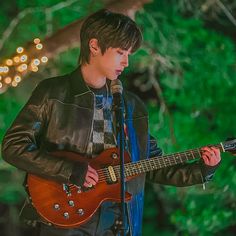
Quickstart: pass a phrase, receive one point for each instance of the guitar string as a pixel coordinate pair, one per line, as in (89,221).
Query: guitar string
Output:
(166,160)
(161,160)
(104,173)
(145,164)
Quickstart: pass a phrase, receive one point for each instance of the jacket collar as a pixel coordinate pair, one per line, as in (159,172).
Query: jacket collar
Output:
(78,85)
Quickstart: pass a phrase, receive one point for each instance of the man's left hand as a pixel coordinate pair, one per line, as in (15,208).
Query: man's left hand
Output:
(211,155)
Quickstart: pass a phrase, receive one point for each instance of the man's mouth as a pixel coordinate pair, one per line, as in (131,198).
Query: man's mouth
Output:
(118,72)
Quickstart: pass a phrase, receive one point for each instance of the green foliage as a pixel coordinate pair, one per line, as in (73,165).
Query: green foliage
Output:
(195,68)
(31,18)
(64,62)
(198,90)
(11,191)
(9,106)
(35,19)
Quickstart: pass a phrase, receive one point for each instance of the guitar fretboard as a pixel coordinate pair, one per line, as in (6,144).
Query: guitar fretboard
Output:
(143,166)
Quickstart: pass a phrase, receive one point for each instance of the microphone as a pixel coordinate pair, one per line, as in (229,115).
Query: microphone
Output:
(116,87)
(116,91)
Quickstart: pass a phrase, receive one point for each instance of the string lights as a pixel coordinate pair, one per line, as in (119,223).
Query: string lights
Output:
(13,69)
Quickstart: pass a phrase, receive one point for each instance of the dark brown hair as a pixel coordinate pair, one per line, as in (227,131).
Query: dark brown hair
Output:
(111,30)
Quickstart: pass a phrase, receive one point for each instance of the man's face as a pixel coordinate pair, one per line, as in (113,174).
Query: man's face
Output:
(112,63)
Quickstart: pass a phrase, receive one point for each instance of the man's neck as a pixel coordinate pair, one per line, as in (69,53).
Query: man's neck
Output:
(92,77)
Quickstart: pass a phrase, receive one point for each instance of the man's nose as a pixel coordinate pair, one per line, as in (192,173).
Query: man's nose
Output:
(125,61)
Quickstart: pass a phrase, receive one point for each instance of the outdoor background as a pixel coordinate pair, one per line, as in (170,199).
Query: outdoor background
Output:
(185,72)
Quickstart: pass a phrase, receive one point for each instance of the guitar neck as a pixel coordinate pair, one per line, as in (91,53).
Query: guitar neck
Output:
(143,166)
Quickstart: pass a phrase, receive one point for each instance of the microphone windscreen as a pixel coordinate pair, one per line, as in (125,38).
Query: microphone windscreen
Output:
(116,87)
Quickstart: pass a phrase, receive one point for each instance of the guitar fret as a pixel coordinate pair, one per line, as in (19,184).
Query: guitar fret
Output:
(150,165)
(199,153)
(117,172)
(127,172)
(185,156)
(178,159)
(159,163)
(154,164)
(133,170)
(139,167)
(174,159)
(142,166)
(165,161)
(147,164)
(188,156)
(168,160)
(108,174)
(192,153)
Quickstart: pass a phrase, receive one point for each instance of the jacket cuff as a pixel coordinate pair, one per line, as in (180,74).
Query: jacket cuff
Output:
(78,173)
(208,171)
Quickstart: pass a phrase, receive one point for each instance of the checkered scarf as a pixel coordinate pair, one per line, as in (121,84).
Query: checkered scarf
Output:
(102,136)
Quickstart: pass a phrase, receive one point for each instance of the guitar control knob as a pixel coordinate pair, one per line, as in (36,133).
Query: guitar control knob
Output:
(56,207)
(66,188)
(80,211)
(114,155)
(71,203)
(66,215)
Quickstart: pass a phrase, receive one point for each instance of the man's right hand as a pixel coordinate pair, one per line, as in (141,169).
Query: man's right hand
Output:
(91,177)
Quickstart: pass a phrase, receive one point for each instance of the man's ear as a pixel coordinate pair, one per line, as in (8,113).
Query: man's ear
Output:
(94,47)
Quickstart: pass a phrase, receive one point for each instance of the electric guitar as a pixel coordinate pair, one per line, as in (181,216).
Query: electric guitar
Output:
(67,205)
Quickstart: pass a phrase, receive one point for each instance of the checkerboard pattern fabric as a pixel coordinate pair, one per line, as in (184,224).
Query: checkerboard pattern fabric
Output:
(102,136)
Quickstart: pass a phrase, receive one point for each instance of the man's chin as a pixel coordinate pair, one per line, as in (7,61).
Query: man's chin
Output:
(112,78)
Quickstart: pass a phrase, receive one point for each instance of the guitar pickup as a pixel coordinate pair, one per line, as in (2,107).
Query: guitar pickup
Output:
(112,175)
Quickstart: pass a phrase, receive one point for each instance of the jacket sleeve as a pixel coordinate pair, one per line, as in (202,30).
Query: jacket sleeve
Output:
(22,145)
(179,175)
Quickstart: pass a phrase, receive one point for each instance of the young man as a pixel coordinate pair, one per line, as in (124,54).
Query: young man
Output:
(74,113)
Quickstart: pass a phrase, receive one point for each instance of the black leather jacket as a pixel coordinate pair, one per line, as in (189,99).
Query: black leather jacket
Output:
(59,116)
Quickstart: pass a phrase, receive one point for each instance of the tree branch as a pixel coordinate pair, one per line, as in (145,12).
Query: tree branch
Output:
(21,15)
(226,11)
(163,106)
(69,36)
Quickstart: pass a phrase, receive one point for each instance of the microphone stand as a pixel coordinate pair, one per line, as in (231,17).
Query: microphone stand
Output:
(119,111)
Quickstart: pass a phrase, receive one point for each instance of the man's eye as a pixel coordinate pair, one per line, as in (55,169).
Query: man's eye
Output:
(120,52)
